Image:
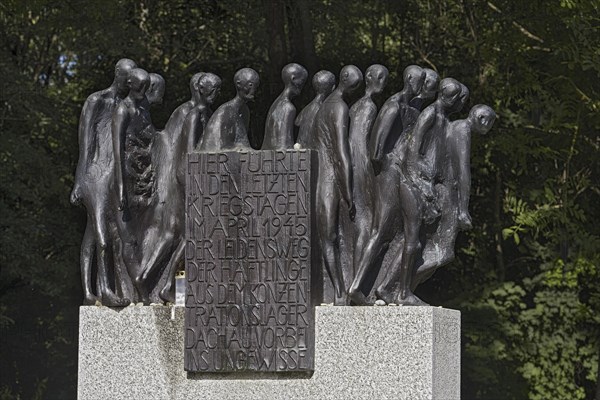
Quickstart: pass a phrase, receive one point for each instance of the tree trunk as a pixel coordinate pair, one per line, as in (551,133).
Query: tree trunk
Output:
(275,18)
(302,42)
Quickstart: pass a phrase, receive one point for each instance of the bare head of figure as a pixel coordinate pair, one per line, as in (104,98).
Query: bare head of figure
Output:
(482,118)
(209,86)
(122,69)
(138,81)
(194,82)
(156,90)
(462,99)
(294,77)
(323,82)
(430,84)
(246,83)
(449,93)
(350,79)
(413,77)
(376,77)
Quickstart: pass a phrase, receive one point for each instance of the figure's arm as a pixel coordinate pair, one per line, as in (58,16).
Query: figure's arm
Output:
(462,164)
(343,154)
(369,115)
(242,138)
(119,127)
(190,131)
(381,130)
(415,148)
(85,145)
(300,117)
(288,125)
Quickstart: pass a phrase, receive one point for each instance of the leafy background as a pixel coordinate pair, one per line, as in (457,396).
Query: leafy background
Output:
(526,278)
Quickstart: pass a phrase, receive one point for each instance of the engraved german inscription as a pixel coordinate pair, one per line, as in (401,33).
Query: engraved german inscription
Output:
(248,259)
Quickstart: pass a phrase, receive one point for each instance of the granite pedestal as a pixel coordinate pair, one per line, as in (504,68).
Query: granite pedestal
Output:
(360,352)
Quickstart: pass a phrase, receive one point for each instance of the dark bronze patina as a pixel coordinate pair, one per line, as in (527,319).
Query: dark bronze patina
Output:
(378,199)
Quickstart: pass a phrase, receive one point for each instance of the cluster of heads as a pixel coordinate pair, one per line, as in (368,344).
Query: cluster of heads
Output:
(422,84)
(139,84)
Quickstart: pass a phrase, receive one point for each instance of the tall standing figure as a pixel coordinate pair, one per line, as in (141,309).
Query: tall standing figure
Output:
(362,118)
(95,185)
(279,126)
(228,127)
(132,134)
(334,182)
(453,193)
(323,83)
(395,115)
(422,170)
(169,205)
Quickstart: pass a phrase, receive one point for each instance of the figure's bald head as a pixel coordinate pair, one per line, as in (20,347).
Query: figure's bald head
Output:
(323,82)
(246,83)
(122,69)
(430,84)
(464,96)
(350,79)
(209,86)
(449,93)
(138,81)
(413,77)
(376,77)
(294,76)
(482,118)
(156,90)
(194,82)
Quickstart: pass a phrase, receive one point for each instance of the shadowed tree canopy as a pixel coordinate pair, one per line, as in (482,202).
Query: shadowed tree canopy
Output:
(526,277)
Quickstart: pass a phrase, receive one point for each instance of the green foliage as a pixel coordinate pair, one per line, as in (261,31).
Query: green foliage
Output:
(526,277)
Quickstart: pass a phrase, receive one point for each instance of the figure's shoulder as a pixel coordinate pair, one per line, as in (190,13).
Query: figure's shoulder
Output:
(460,128)
(311,107)
(95,98)
(370,105)
(194,112)
(427,113)
(222,109)
(287,106)
(391,104)
(394,99)
(184,108)
(221,112)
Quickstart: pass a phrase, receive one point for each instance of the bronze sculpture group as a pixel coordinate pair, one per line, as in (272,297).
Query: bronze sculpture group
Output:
(395,178)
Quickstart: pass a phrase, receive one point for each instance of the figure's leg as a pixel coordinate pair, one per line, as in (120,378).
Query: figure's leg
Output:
(375,247)
(124,283)
(109,298)
(426,270)
(387,290)
(363,222)
(162,250)
(412,216)
(86,260)
(168,291)
(328,213)
(443,239)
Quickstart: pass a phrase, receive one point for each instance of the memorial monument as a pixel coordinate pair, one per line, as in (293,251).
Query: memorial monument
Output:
(254,229)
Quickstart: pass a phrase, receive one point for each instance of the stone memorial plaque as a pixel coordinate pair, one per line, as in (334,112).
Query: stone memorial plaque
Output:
(250,255)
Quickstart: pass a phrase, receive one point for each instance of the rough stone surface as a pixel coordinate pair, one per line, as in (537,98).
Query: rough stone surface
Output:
(361,352)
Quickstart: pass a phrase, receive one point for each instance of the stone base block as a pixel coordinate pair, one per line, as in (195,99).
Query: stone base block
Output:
(360,352)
